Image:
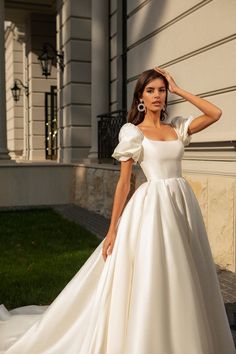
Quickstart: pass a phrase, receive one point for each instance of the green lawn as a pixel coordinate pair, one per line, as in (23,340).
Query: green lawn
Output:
(40,252)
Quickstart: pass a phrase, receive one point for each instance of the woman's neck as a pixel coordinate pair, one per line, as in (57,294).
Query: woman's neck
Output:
(152,119)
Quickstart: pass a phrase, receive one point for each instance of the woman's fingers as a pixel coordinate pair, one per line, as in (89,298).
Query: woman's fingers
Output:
(104,250)
(107,248)
(172,84)
(161,71)
(158,69)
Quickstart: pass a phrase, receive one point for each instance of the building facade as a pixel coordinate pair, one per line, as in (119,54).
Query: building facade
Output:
(106,44)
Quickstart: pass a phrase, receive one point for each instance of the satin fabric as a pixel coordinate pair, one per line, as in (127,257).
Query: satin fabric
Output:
(157,293)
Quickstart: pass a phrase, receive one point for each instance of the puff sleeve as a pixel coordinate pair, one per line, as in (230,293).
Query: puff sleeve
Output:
(130,143)
(181,126)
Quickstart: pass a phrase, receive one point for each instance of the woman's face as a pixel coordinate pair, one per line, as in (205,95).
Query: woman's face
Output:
(154,95)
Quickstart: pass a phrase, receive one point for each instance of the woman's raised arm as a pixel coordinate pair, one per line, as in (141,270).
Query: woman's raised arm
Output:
(211,113)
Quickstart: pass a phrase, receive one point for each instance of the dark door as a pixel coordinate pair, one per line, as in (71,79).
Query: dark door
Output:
(51,124)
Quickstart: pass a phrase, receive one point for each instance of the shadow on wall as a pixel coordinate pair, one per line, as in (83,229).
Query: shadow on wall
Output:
(139,20)
(137,29)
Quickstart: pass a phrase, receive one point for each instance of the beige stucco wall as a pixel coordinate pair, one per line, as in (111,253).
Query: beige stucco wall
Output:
(214,183)
(35,184)
(195,41)
(216,195)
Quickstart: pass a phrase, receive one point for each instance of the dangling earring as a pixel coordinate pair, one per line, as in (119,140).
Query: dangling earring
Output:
(141,107)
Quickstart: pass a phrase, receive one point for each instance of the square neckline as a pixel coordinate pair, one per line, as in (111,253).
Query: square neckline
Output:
(162,141)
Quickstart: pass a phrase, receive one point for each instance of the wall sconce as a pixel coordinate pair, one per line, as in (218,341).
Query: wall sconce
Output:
(16,89)
(46,58)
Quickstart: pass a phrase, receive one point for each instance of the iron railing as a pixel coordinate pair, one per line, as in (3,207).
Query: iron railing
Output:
(109,125)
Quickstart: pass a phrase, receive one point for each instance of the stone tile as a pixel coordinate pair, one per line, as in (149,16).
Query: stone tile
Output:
(221,218)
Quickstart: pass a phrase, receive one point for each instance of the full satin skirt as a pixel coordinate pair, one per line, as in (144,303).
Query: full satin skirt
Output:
(157,293)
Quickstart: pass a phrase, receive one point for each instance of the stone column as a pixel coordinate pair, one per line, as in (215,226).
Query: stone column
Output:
(3,135)
(74,104)
(100,68)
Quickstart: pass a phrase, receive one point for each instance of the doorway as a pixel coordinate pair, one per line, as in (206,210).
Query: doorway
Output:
(51,124)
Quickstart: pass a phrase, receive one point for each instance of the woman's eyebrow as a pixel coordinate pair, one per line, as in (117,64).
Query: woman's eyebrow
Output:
(150,87)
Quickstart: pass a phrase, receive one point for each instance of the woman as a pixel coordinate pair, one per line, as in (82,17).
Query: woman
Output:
(150,287)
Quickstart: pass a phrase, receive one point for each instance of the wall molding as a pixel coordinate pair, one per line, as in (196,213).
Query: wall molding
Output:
(74,17)
(136,9)
(113,58)
(78,61)
(78,17)
(211,151)
(168,24)
(113,36)
(213,168)
(206,94)
(77,104)
(113,102)
(193,53)
(113,80)
(201,50)
(77,126)
(113,13)
(85,83)
(75,39)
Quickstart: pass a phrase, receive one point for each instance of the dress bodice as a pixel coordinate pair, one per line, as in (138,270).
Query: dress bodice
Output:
(161,159)
(158,159)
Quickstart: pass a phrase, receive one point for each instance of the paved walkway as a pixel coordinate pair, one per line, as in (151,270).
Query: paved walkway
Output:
(98,225)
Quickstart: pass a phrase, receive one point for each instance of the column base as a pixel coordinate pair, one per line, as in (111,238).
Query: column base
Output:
(4,155)
(90,160)
(92,156)
(93,153)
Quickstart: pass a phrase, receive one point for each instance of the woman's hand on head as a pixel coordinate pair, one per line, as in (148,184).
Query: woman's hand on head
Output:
(108,244)
(172,84)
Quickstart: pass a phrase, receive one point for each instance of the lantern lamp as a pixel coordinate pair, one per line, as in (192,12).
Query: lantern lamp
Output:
(16,89)
(48,56)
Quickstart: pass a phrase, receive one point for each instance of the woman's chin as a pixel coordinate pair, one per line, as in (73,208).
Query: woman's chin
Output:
(155,109)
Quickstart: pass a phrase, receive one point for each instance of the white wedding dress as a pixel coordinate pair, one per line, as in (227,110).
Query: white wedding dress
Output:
(157,293)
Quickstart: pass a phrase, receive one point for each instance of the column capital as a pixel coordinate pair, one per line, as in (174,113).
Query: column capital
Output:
(19,32)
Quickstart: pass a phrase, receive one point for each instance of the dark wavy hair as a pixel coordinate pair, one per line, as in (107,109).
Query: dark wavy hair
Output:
(134,116)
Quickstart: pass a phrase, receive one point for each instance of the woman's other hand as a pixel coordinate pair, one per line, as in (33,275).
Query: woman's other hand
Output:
(108,244)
